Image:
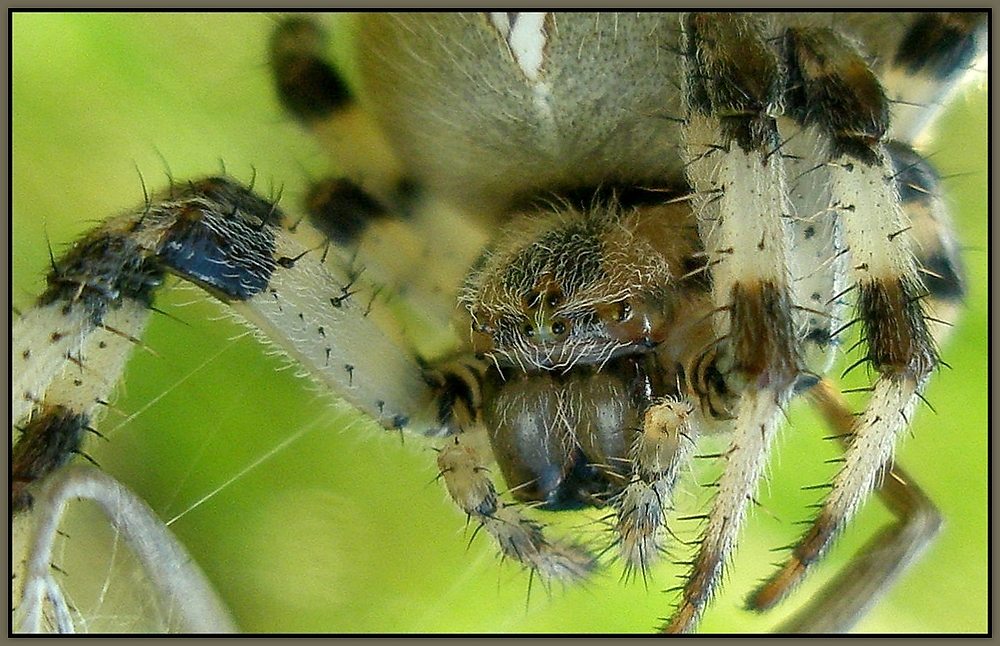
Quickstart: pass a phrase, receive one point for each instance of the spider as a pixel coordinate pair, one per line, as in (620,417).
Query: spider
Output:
(407,527)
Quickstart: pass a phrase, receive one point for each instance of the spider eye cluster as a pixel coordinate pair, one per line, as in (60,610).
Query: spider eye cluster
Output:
(571,288)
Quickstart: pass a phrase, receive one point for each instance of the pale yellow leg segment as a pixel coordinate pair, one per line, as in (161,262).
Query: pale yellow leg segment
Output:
(518,537)
(659,454)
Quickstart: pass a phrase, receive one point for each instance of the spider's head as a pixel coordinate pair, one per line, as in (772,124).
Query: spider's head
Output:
(568,289)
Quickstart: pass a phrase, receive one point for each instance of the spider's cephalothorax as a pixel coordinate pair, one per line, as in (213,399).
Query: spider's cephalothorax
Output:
(585,323)
(679,209)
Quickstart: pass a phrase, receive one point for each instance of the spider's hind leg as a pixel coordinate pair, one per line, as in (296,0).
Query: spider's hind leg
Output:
(888,212)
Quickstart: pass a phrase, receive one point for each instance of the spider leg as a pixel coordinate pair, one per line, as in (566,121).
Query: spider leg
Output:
(819,264)
(740,200)
(518,537)
(837,97)
(318,95)
(71,349)
(658,454)
(932,55)
(839,604)
(375,214)
(369,210)
(935,250)
(937,254)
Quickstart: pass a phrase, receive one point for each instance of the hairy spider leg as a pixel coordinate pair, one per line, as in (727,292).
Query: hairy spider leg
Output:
(842,106)
(738,178)
(370,211)
(837,606)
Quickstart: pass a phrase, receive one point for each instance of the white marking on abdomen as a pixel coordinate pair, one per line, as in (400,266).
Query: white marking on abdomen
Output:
(524,33)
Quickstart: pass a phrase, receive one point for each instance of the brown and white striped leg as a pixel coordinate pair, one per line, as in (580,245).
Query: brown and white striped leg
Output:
(368,210)
(318,95)
(71,348)
(834,92)
(69,351)
(848,596)
(733,89)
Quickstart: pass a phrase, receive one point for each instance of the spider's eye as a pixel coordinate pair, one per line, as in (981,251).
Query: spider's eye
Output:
(558,328)
(531,299)
(554,298)
(624,310)
(528,330)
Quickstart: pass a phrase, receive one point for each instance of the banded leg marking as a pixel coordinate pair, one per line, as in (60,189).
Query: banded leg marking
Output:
(733,87)
(71,349)
(838,97)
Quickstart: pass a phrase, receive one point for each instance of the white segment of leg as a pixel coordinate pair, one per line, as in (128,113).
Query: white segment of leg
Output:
(743,228)
(754,430)
(36,357)
(80,369)
(333,334)
(874,222)
(95,371)
(887,414)
(746,459)
(819,264)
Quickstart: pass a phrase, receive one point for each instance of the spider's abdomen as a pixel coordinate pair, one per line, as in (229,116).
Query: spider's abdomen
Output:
(489,107)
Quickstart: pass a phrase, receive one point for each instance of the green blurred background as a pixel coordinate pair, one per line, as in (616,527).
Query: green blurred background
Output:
(318,520)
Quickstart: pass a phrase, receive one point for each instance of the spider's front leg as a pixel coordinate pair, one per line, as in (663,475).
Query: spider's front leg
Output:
(70,349)
(733,89)
(362,211)
(221,236)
